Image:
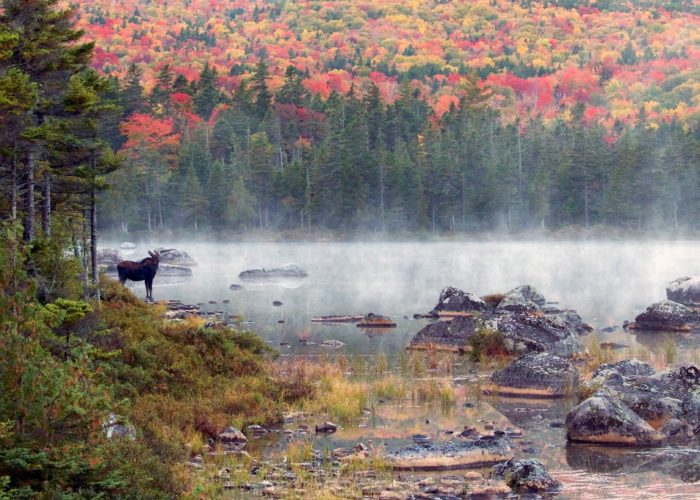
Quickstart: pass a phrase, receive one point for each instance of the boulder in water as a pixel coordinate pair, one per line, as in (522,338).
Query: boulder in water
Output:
(525,476)
(176,257)
(684,290)
(666,316)
(523,332)
(522,298)
(285,272)
(536,375)
(447,335)
(372,320)
(455,302)
(633,405)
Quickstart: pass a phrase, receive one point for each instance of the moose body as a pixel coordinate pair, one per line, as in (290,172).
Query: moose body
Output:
(145,270)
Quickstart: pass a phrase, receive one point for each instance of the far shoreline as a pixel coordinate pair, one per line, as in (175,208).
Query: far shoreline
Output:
(569,234)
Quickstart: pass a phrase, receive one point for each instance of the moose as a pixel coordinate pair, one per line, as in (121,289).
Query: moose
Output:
(145,270)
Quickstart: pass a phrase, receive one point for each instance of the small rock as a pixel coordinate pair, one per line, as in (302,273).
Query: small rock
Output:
(326,428)
(277,303)
(233,436)
(235,287)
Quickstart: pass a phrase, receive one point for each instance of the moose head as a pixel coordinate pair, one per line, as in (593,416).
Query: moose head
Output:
(145,270)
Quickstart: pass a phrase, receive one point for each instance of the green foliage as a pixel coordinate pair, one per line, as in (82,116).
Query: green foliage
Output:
(486,344)
(172,381)
(65,311)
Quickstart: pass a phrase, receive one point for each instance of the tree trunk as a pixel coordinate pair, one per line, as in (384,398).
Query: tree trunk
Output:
(381,194)
(93,233)
(46,204)
(29,212)
(14,187)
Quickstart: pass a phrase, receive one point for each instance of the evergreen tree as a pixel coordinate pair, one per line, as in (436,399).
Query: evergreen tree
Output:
(207,96)
(49,53)
(263,97)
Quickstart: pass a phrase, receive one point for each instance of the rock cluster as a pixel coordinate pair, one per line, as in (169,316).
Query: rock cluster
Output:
(630,404)
(522,318)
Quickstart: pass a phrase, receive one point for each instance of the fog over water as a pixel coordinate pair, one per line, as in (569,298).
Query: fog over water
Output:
(606,282)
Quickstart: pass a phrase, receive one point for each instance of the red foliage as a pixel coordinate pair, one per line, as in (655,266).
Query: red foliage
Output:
(147,132)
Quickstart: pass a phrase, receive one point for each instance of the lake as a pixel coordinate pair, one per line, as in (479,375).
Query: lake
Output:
(607,282)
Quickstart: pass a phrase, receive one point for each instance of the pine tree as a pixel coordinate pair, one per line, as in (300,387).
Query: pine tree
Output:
(207,96)
(263,97)
(49,53)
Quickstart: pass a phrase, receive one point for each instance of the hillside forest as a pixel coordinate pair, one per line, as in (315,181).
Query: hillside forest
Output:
(371,116)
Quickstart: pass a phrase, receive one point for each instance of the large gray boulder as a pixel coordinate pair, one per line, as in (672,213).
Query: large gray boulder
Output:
(666,316)
(525,476)
(522,298)
(603,420)
(454,302)
(632,405)
(684,290)
(539,375)
(524,333)
(447,335)
(454,454)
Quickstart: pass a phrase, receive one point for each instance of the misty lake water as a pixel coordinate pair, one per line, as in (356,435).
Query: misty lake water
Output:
(606,282)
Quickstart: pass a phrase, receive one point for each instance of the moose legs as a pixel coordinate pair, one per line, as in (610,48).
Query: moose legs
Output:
(149,289)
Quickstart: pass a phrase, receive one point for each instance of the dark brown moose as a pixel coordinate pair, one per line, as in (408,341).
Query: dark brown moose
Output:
(144,270)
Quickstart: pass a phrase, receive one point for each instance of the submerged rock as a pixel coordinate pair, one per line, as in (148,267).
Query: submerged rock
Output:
(372,320)
(666,316)
(454,454)
(632,405)
(127,245)
(678,462)
(283,272)
(536,375)
(235,287)
(685,290)
(525,476)
(455,302)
